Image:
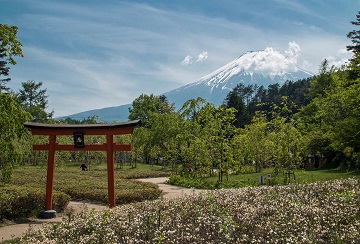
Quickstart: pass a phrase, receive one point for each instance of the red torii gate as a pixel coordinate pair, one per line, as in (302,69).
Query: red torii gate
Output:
(78,131)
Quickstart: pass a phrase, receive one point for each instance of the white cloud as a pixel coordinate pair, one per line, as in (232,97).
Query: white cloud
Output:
(111,52)
(190,60)
(293,52)
(187,60)
(272,62)
(341,58)
(202,56)
(344,51)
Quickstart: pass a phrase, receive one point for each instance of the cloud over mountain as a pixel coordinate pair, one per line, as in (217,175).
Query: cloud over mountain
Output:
(190,60)
(272,62)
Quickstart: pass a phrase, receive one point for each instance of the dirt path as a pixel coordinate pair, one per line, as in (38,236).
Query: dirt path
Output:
(169,190)
(13,231)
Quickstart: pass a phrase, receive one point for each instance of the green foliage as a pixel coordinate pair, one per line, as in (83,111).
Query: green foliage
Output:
(89,120)
(11,130)
(145,105)
(251,145)
(33,99)
(9,47)
(354,35)
(25,201)
(92,185)
(251,178)
(250,99)
(332,118)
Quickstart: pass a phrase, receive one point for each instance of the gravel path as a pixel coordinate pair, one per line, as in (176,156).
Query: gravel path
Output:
(13,231)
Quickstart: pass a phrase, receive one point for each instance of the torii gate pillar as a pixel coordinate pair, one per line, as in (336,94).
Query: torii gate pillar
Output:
(109,130)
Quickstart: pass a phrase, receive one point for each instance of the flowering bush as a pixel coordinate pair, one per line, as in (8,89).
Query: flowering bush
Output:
(324,212)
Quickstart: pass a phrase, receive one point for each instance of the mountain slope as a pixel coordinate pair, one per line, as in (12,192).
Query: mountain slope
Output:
(215,86)
(108,114)
(260,67)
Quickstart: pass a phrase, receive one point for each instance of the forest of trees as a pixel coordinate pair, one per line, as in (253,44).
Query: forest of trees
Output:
(278,126)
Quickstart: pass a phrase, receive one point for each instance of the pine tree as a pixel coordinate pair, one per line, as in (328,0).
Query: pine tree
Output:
(33,99)
(354,36)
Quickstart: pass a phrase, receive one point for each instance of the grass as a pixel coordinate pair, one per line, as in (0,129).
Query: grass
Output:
(92,185)
(27,188)
(252,179)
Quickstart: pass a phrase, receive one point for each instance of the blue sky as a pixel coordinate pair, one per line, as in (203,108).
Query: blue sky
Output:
(93,54)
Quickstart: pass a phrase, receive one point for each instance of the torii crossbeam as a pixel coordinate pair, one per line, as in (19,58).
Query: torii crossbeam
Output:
(79,131)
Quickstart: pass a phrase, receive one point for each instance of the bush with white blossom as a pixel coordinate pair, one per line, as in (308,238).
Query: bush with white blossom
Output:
(323,212)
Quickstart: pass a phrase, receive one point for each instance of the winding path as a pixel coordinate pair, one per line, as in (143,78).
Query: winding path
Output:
(14,231)
(169,190)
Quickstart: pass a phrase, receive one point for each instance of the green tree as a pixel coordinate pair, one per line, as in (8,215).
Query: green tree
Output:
(4,72)
(191,108)
(33,99)
(332,118)
(287,144)
(242,99)
(150,109)
(354,35)
(145,105)
(323,81)
(252,145)
(163,131)
(9,48)
(12,118)
(217,130)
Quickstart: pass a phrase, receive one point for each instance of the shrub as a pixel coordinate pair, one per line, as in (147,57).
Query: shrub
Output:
(323,212)
(91,186)
(126,191)
(21,201)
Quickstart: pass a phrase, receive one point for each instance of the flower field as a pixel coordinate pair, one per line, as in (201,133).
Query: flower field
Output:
(323,212)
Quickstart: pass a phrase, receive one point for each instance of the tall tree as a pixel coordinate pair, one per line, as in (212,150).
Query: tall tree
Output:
(12,118)
(4,72)
(252,144)
(191,108)
(354,35)
(33,99)
(218,130)
(144,105)
(239,98)
(332,120)
(9,48)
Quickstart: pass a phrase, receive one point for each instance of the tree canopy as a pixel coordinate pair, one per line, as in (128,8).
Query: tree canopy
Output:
(12,118)
(9,48)
(34,100)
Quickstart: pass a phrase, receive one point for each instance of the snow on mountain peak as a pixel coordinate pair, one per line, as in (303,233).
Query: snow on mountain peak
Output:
(254,67)
(268,62)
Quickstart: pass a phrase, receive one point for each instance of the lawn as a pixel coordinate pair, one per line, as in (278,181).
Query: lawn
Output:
(70,182)
(24,196)
(92,185)
(253,179)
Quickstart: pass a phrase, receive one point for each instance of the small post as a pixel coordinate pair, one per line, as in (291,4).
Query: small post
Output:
(261,180)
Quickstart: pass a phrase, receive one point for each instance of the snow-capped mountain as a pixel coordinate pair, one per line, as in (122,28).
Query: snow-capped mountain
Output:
(250,68)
